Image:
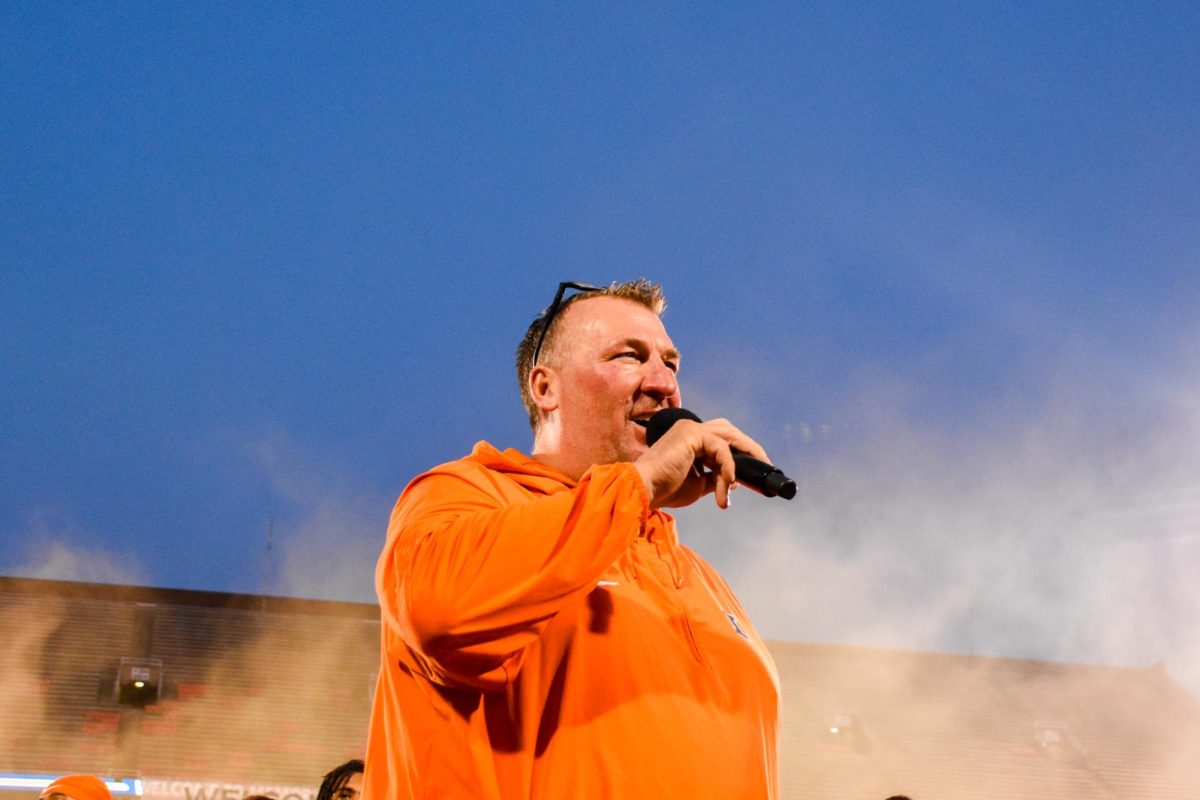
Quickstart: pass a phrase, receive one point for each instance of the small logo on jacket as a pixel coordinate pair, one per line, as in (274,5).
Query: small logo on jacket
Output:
(734,622)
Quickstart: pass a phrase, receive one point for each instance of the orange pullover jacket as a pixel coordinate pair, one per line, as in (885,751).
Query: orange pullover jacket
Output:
(543,638)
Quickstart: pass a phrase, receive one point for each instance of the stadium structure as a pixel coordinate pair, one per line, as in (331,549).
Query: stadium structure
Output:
(190,695)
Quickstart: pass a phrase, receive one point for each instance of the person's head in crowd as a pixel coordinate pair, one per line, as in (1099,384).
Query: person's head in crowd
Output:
(343,782)
(76,787)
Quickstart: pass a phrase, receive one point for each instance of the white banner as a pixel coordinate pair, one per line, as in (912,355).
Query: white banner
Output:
(168,789)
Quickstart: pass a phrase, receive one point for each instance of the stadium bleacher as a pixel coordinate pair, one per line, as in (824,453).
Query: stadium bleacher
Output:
(267,693)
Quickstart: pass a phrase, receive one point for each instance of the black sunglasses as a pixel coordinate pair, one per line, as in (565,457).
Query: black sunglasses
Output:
(552,311)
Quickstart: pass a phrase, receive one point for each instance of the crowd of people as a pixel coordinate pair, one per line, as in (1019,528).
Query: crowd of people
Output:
(343,782)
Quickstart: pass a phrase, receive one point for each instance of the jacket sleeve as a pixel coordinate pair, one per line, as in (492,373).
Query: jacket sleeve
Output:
(467,580)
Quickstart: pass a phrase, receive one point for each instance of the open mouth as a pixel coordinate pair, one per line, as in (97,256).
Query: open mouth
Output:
(642,421)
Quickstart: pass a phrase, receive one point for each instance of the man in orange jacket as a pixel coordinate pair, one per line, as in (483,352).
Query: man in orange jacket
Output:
(545,634)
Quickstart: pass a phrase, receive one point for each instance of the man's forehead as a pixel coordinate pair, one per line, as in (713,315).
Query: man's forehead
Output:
(614,317)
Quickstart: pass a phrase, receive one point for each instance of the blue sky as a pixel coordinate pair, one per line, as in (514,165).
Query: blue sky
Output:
(261,265)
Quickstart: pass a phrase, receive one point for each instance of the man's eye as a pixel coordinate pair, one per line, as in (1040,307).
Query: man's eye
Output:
(671,365)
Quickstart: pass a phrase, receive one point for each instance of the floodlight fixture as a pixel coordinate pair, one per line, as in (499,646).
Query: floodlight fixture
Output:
(139,682)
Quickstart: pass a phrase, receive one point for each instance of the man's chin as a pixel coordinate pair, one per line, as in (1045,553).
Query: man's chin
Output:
(633,451)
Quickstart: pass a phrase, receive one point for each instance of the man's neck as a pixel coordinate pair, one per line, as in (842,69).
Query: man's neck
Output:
(558,461)
(549,449)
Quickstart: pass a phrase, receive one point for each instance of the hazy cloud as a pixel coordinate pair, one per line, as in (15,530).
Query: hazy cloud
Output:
(329,531)
(1072,535)
(56,547)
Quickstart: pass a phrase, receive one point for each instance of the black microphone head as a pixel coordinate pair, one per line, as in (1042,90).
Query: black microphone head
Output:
(779,485)
(662,421)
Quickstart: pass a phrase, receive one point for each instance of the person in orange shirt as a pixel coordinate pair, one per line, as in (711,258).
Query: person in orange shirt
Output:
(76,787)
(545,633)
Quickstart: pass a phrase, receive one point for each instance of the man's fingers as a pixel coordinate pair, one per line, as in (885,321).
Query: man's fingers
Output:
(693,459)
(719,458)
(723,470)
(733,437)
(722,493)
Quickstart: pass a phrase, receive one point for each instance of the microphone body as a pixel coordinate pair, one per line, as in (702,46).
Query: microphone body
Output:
(760,476)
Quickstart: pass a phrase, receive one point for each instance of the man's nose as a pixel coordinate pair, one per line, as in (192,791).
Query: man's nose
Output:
(659,379)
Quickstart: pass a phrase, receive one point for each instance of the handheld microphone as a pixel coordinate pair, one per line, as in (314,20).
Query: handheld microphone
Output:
(760,476)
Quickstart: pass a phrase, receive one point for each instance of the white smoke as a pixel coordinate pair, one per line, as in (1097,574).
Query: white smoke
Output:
(55,547)
(1072,534)
(329,532)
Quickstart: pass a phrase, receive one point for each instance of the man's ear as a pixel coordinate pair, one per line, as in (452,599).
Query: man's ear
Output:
(543,388)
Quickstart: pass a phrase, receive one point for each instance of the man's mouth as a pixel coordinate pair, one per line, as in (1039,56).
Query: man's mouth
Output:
(643,417)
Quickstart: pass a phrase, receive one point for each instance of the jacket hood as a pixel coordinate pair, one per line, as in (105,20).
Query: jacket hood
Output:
(523,469)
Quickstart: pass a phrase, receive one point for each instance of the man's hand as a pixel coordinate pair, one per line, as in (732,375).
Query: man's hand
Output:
(693,459)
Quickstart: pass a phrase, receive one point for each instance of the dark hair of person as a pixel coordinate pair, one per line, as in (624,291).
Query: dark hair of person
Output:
(640,291)
(336,778)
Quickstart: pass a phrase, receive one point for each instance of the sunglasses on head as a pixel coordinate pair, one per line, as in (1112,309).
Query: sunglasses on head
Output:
(552,311)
